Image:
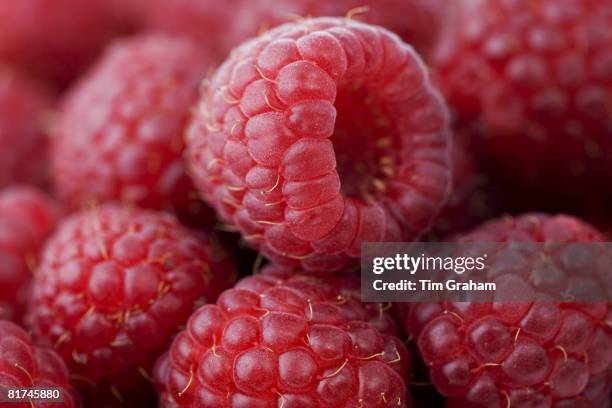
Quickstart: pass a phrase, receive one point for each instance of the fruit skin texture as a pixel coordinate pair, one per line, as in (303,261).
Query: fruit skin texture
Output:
(23,364)
(222,25)
(417,22)
(540,354)
(285,339)
(114,284)
(27,216)
(532,82)
(54,39)
(24,106)
(122,125)
(319,135)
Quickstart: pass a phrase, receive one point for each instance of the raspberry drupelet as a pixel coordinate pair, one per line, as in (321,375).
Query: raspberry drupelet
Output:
(120,133)
(221,25)
(320,135)
(27,217)
(532,82)
(524,354)
(286,340)
(24,365)
(417,22)
(24,112)
(114,285)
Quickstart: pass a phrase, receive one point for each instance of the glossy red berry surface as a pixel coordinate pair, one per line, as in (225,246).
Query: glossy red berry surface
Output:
(54,39)
(25,365)
(286,340)
(24,110)
(320,135)
(532,354)
(417,22)
(122,125)
(113,286)
(222,25)
(27,216)
(533,83)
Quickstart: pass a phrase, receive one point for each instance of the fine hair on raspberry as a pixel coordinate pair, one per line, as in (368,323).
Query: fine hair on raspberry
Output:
(542,353)
(285,339)
(417,22)
(113,286)
(24,365)
(119,136)
(318,136)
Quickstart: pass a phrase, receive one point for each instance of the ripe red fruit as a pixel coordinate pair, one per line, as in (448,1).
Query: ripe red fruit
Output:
(540,353)
(122,125)
(319,135)
(473,198)
(285,340)
(24,109)
(211,23)
(24,365)
(533,82)
(27,216)
(418,22)
(54,39)
(114,285)
(222,25)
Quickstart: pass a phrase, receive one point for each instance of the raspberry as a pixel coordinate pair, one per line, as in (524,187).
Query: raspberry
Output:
(222,25)
(27,216)
(319,135)
(473,198)
(122,125)
(529,354)
(285,339)
(212,23)
(114,285)
(417,22)
(54,39)
(533,82)
(22,364)
(24,106)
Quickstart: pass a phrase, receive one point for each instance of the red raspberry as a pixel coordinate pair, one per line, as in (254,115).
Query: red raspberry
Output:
(533,82)
(473,198)
(212,22)
(54,39)
(122,125)
(115,284)
(24,108)
(538,354)
(285,340)
(222,25)
(22,365)
(27,216)
(417,22)
(319,135)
